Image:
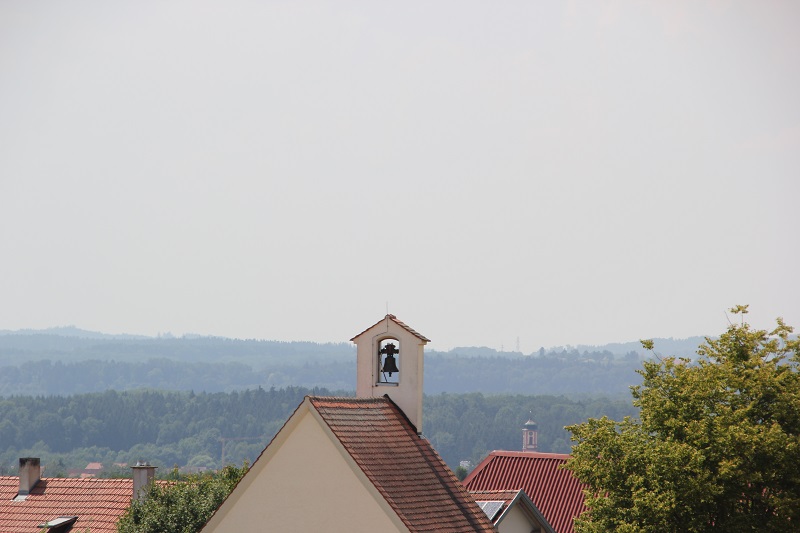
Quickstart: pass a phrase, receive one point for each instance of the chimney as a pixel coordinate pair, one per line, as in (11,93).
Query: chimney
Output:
(30,471)
(143,476)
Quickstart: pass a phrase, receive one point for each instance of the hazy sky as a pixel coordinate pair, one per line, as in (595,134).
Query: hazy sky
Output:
(557,172)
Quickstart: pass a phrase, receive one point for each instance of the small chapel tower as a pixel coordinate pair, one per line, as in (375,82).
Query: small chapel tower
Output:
(389,361)
(530,435)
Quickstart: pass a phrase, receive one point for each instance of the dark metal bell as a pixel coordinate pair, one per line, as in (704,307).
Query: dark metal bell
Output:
(390,365)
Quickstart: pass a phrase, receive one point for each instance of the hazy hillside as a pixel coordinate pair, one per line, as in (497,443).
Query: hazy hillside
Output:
(70,343)
(549,374)
(16,348)
(51,362)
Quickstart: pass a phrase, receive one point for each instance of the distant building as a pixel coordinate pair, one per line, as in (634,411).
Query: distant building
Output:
(530,436)
(91,470)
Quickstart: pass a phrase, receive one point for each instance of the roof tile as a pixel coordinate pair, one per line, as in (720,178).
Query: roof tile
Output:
(403,466)
(98,503)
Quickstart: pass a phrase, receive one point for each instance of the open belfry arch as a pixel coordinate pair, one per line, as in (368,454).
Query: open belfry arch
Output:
(389,361)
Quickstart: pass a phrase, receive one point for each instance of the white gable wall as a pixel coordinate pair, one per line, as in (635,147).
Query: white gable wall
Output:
(516,520)
(305,482)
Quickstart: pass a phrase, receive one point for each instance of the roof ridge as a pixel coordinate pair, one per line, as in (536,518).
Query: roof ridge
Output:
(400,323)
(540,455)
(76,479)
(354,399)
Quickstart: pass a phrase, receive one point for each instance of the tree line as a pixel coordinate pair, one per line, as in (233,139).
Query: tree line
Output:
(197,429)
(559,372)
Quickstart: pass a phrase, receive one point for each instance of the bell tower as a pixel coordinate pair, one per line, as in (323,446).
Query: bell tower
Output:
(389,361)
(530,435)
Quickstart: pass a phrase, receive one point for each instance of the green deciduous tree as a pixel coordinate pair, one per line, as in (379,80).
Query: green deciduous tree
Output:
(716,446)
(183,506)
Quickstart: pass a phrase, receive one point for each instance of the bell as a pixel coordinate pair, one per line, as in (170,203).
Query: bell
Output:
(390,365)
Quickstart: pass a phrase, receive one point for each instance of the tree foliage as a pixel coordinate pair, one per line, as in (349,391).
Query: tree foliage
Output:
(165,428)
(182,506)
(716,446)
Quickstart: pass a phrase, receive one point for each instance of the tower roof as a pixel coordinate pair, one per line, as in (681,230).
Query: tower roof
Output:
(399,323)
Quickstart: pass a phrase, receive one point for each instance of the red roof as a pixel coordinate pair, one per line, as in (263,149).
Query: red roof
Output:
(553,489)
(98,503)
(403,466)
(399,323)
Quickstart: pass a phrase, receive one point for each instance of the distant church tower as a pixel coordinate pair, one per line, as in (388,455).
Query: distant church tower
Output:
(530,436)
(389,361)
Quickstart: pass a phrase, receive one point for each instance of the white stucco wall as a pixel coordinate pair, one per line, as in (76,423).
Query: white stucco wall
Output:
(516,521)
(304,485)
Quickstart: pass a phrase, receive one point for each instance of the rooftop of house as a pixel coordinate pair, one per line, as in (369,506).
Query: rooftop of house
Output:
(97,504)
(402,465)
(496,503)
(552,488)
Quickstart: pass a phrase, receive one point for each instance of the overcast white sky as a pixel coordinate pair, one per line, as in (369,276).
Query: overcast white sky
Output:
(557,172)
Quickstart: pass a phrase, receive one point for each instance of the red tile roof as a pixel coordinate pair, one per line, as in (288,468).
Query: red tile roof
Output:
(399,323)
(553,489)
(98,503)
(403,466)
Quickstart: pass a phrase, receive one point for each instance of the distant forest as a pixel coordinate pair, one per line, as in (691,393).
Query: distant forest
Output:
(59,364)
(188,429)
(73,397)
